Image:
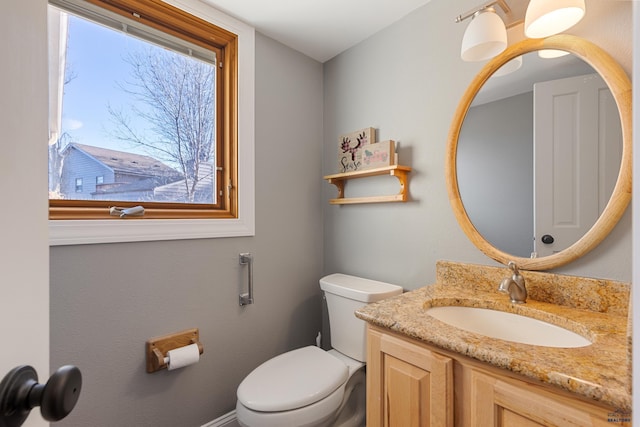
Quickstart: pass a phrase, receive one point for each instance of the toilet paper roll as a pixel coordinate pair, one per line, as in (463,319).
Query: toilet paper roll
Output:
(183,356)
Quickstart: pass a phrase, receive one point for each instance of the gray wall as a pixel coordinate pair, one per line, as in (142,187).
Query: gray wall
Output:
(406,81)
(107,300)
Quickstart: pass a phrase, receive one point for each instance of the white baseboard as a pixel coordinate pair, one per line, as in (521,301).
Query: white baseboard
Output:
(227,420)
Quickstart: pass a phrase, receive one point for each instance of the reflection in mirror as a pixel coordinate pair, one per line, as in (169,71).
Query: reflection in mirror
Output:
(538,154)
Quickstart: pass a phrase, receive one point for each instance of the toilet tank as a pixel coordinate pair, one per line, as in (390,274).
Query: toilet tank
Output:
(345,294)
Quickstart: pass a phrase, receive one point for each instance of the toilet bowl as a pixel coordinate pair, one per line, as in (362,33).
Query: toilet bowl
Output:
(303,387)
(311,387)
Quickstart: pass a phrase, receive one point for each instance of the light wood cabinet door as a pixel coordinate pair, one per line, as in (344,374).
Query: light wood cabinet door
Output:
(407,385)
(513,403)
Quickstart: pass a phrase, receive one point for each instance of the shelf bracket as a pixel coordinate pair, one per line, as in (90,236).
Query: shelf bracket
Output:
(339,183)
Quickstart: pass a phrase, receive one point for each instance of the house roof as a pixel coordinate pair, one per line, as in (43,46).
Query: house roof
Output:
(143,185)
(203,189)
(123,162)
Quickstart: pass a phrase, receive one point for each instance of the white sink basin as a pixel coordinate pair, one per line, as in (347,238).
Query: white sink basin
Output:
(508,326)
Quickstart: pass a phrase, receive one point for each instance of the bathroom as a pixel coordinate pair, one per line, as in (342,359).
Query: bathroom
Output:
(103,301)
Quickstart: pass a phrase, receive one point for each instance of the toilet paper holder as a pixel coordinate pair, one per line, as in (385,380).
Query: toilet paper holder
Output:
(158,347)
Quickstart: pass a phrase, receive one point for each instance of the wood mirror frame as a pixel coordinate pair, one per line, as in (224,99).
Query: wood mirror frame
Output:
(620,87)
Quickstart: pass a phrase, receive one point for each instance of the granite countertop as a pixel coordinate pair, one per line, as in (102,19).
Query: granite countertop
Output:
(595,309)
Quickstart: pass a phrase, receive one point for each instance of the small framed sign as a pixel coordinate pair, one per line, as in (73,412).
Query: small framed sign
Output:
(351,148)
(378,155)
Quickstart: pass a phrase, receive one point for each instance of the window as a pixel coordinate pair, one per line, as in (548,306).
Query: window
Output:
(69,228)
(148,105)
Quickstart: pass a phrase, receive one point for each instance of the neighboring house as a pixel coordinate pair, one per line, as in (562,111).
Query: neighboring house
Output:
(90,172)
(203,192)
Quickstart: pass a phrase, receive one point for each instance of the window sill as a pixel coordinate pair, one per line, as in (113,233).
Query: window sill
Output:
(76,232)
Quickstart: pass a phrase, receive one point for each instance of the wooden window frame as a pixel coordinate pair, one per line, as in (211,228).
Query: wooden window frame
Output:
(176,22)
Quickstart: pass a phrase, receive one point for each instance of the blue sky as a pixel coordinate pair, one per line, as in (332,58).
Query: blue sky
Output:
(95,59)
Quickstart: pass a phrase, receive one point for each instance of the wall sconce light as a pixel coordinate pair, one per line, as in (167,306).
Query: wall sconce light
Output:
(545,18)
(486,35)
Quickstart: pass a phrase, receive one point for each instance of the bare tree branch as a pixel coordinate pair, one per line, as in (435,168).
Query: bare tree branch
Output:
(176,98)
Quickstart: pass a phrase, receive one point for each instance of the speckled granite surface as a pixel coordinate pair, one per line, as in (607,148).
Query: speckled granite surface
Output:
(596,309)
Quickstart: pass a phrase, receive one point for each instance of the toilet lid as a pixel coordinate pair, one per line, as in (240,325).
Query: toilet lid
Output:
(292,380)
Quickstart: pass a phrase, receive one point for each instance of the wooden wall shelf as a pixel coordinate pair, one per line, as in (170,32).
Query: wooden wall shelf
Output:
(340,179)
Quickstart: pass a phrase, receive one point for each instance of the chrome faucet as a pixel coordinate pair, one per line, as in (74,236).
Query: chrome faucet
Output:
(514,285)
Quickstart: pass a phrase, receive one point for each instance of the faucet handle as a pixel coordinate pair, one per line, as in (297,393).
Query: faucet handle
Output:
(504,285)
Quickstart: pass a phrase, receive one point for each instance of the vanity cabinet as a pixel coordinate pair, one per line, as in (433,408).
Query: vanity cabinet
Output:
(410,383)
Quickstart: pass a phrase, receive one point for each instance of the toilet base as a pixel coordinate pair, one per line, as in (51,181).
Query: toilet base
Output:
(353,413)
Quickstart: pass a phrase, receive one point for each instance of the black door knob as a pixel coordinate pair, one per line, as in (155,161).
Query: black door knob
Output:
(20,392)
(547,239)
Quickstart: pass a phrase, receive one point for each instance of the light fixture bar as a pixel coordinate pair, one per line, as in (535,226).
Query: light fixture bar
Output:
(502,3)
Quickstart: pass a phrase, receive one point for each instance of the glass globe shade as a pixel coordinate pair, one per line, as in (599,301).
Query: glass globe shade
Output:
(545,18)
(484,38)
(551,53)
(509,67)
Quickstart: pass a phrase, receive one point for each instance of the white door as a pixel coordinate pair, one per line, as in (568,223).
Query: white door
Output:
(577,152)
(24,269)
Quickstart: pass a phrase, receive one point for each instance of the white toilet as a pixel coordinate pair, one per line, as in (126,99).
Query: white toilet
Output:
(310,386)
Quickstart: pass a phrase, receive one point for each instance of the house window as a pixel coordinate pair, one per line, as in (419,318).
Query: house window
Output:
(146,102)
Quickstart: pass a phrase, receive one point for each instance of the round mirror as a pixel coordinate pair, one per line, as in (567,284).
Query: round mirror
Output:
(518,167)
(552,127)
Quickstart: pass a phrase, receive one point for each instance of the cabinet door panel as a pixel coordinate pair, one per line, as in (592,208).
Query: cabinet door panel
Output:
(511,419)
(427,376)
(407,394)
(519,404)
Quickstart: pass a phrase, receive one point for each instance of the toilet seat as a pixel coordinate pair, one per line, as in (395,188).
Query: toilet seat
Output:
(319,413)
(292,380)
